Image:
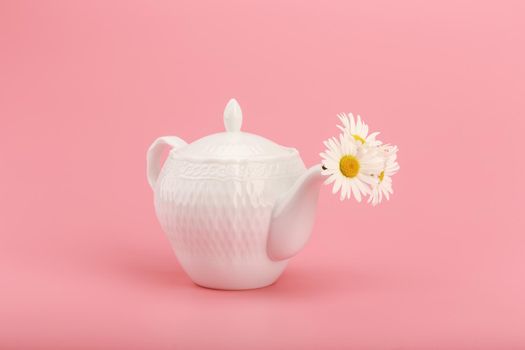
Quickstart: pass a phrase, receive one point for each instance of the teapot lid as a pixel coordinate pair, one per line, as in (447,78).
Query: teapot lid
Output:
(234,144)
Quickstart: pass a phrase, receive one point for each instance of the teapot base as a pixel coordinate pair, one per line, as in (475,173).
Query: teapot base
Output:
(227,275)
(239,288)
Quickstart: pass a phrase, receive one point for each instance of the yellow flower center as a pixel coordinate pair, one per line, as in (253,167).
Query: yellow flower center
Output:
(381,176)
(358,138)
(349,166)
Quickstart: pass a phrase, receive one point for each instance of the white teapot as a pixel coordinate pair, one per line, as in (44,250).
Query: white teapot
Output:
(235,206)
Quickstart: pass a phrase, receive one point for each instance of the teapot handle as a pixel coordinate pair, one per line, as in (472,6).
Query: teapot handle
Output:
(155,153)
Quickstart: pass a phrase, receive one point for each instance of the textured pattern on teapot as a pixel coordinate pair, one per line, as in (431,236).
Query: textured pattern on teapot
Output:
(221,217)
(288,166)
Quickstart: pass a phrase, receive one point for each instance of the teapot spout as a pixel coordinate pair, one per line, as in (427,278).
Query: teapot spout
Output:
(293,216)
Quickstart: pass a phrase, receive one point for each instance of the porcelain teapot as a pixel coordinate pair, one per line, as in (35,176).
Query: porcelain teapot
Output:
(235,206)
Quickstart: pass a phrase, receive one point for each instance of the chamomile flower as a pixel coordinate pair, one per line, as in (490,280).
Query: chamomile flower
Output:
(382,186)
(357,129)
(350,166)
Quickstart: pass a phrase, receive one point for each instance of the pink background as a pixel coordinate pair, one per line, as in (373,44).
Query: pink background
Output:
(85,87)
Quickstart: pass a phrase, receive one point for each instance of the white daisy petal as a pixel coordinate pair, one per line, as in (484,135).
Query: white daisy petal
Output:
(343,192)
(331,179)
(337,185)
(352,121)
(356,192)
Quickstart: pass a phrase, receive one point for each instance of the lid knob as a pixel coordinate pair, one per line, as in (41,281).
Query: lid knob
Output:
(232,116)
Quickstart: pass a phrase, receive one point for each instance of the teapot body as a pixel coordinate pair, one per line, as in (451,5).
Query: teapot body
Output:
(216,215)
